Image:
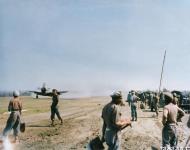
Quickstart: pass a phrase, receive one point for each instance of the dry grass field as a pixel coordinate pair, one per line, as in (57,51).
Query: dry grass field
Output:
(81,123)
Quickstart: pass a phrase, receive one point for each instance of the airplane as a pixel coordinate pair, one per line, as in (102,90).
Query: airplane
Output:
(44,91)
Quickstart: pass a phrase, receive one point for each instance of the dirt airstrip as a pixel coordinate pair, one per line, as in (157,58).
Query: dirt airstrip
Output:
(82,122)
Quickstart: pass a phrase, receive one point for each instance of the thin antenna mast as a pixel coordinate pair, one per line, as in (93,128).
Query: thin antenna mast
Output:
(162,71)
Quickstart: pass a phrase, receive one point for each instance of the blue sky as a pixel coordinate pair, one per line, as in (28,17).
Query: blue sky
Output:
(94,46)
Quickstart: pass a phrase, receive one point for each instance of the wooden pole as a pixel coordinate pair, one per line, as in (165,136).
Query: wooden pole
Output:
(162,71)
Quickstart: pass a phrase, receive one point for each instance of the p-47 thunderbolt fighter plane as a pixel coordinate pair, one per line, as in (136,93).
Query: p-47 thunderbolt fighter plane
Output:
(44,91)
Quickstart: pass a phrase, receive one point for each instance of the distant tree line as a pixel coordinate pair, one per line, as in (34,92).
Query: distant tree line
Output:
(10,93)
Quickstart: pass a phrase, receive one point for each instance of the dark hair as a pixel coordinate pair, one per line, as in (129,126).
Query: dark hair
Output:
(54,90)
(168,99)
(117,100)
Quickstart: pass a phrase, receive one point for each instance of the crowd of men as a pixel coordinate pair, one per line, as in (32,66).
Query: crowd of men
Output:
(113,122)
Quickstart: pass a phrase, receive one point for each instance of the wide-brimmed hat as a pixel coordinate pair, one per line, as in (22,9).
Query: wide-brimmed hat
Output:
(116,95)
(169,95)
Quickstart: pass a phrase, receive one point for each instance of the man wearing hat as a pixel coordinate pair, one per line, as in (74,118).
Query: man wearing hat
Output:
(133,105)
(175,99)
(129,98)
(151,101)
(169,120)
(13,122)
(112,122)
(156,101)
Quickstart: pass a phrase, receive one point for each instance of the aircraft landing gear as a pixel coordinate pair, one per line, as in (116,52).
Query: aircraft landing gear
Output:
(36,96)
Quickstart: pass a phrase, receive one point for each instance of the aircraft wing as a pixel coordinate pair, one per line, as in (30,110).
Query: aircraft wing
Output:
(49,94)
(61,92)
(36,92)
